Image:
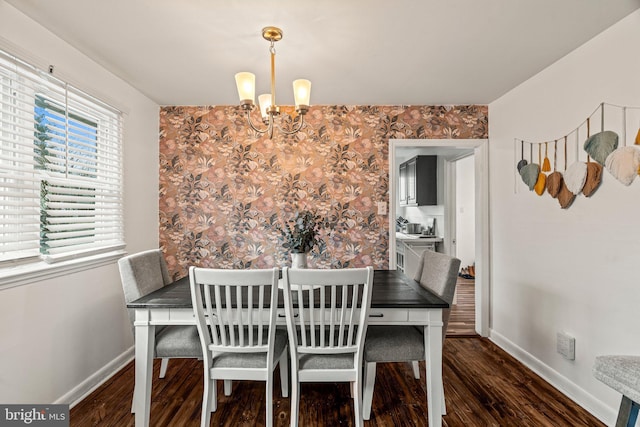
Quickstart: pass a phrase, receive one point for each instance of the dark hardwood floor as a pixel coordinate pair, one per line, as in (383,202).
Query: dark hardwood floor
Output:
(484,386)
(462,322)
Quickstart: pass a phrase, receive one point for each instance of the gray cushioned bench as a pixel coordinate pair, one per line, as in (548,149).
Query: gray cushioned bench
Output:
(622,373)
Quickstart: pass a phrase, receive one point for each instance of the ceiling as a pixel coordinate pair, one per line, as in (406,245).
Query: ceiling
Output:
(363,52)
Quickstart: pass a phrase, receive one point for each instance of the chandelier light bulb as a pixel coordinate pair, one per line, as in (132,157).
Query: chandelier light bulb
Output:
(302,92)
(246,84)
(265,103)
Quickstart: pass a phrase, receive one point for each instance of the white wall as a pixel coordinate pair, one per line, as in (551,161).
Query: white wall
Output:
(573,270)
(57,333)
(465,211)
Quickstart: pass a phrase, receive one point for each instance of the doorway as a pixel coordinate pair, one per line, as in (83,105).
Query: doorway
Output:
(452,150)
(462,317)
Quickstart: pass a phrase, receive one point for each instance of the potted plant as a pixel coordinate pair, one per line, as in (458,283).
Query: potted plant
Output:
(300,235)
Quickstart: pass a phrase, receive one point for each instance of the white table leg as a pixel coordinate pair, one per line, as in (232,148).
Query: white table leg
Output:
(144,345)
(433,353)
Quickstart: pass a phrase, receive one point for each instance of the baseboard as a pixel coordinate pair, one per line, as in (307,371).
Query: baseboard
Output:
(86,387)
(598,409)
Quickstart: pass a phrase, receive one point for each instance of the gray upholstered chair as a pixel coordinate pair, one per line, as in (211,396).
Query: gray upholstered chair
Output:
(436,272)
(141,274)
(327,312)
(622,373)
(235,313)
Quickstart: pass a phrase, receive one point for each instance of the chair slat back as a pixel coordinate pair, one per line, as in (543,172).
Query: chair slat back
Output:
(328,309)
(229,318)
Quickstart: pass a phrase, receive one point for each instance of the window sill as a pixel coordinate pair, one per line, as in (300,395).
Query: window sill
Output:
(35,272)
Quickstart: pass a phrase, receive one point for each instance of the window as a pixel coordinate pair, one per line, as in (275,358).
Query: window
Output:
(60,168)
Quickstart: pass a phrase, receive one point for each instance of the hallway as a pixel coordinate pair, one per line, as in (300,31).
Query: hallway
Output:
(462,322)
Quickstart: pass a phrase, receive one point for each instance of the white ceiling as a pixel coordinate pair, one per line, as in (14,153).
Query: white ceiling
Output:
(364,52)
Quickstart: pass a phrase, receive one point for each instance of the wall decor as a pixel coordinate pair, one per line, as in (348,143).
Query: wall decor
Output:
(554,180)
(224,187)
(602,149)
(597,149)
(541,181)
(529,171)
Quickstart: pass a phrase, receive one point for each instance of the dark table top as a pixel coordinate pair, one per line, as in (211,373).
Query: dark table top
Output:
(391,289)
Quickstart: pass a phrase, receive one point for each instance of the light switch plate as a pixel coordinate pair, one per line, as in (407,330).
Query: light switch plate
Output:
(566,346)
(382,208)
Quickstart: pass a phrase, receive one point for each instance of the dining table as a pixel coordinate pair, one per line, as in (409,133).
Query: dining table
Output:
(395,300)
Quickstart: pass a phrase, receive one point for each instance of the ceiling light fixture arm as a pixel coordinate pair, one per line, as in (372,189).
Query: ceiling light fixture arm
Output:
(270,121)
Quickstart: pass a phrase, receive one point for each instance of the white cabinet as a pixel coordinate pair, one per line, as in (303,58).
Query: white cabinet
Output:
(412,253)
(399,255)
(409,249)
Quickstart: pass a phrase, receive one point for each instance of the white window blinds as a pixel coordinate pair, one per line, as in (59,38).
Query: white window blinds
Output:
(60,168)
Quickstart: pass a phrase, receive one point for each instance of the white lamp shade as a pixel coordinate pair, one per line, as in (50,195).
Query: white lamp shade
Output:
(265,102)
(302,92)
(246,83)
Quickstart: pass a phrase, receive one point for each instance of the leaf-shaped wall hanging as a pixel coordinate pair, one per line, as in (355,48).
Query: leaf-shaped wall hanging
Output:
(546,165)
(600,145)
(554,182)
(575,177)
(593,179)
(541,184)
(523,162)
(529,174)
(565,196)
(623,164)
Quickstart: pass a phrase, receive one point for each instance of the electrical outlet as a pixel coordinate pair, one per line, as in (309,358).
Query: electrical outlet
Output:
(566,345)
(382,208)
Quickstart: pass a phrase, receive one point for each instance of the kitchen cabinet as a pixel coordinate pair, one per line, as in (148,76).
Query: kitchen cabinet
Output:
(412,253)
(409,249)
(418,181)
(411,181)
(400,256)
(403,184)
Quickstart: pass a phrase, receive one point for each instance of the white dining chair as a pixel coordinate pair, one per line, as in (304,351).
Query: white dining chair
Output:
(436,272)
(142,273)
(235,314)
(326,313)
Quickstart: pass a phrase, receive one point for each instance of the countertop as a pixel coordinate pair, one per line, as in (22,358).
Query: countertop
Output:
(402,237)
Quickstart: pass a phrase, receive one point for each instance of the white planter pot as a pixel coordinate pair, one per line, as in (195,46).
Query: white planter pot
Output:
(298,260)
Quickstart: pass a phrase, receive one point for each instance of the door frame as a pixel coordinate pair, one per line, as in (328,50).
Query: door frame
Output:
(450,189)
(482,248)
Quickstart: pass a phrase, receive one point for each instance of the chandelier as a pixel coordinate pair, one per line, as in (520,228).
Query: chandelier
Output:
(246,83)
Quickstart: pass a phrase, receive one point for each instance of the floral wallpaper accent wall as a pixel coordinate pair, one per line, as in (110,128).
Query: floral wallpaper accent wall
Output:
(223,187)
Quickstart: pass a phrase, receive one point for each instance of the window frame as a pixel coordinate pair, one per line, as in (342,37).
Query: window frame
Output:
(26,268)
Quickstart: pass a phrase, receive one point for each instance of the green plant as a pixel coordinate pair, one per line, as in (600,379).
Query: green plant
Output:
(300,233)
